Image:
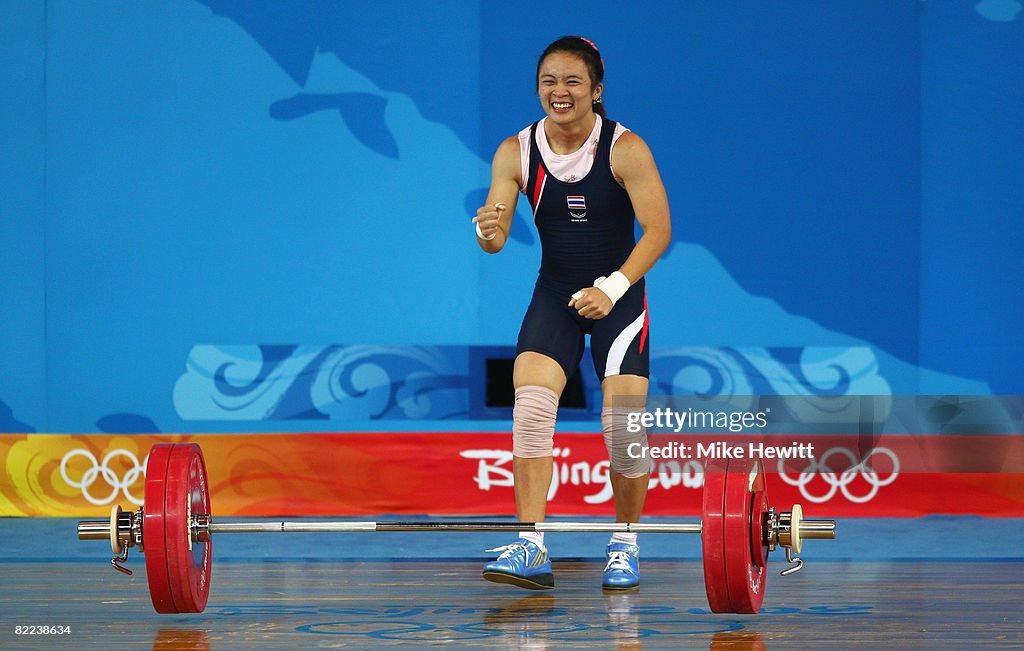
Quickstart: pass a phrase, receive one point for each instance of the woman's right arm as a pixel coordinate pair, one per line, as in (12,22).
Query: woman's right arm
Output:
(494,220)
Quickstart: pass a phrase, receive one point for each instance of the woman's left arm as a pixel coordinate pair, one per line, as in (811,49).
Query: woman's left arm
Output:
(634,166)
(633,163)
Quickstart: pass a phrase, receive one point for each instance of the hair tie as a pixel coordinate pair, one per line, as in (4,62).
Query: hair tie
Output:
(591,44)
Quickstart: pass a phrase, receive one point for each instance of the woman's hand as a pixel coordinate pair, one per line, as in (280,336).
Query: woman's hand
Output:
(597,301)
(591,303)
(486,220)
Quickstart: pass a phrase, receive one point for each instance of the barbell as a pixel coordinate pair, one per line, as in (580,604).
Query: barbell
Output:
(174,529)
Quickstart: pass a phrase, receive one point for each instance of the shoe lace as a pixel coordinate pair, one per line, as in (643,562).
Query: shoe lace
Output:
(618,561)
(508,550)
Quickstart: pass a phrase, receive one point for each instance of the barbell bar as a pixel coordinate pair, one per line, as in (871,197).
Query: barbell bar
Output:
(739,528)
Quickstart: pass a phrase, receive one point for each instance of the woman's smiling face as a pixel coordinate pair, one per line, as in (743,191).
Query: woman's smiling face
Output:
(565,88)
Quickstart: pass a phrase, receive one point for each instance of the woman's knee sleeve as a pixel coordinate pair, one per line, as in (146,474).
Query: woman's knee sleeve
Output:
(533,422)
(626,440)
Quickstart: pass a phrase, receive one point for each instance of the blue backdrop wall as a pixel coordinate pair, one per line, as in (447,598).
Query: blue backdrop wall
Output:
(223,215)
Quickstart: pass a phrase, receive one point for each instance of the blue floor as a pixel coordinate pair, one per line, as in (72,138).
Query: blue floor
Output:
(859,539)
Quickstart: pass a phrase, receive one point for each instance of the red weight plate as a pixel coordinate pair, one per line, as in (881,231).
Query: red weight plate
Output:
(188,494)
(744,486)
(153,529)
(712,536)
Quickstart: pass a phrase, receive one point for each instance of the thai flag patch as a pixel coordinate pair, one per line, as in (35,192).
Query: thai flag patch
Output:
(577,203)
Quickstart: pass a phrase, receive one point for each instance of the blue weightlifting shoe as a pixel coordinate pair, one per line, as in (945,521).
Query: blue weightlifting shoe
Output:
(622,570)
(522,563)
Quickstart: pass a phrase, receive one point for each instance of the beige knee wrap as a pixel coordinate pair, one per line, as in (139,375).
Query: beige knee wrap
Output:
(533,422)
(618,439)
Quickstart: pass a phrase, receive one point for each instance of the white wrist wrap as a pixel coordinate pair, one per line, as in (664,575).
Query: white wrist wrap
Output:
(480,234)
(614,285)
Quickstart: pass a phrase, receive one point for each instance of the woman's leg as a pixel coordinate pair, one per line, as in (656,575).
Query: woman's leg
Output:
(629,476)
(625,395)
(537,379)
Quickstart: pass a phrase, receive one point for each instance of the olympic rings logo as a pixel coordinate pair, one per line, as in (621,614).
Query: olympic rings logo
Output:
(102,470)
(840,481)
